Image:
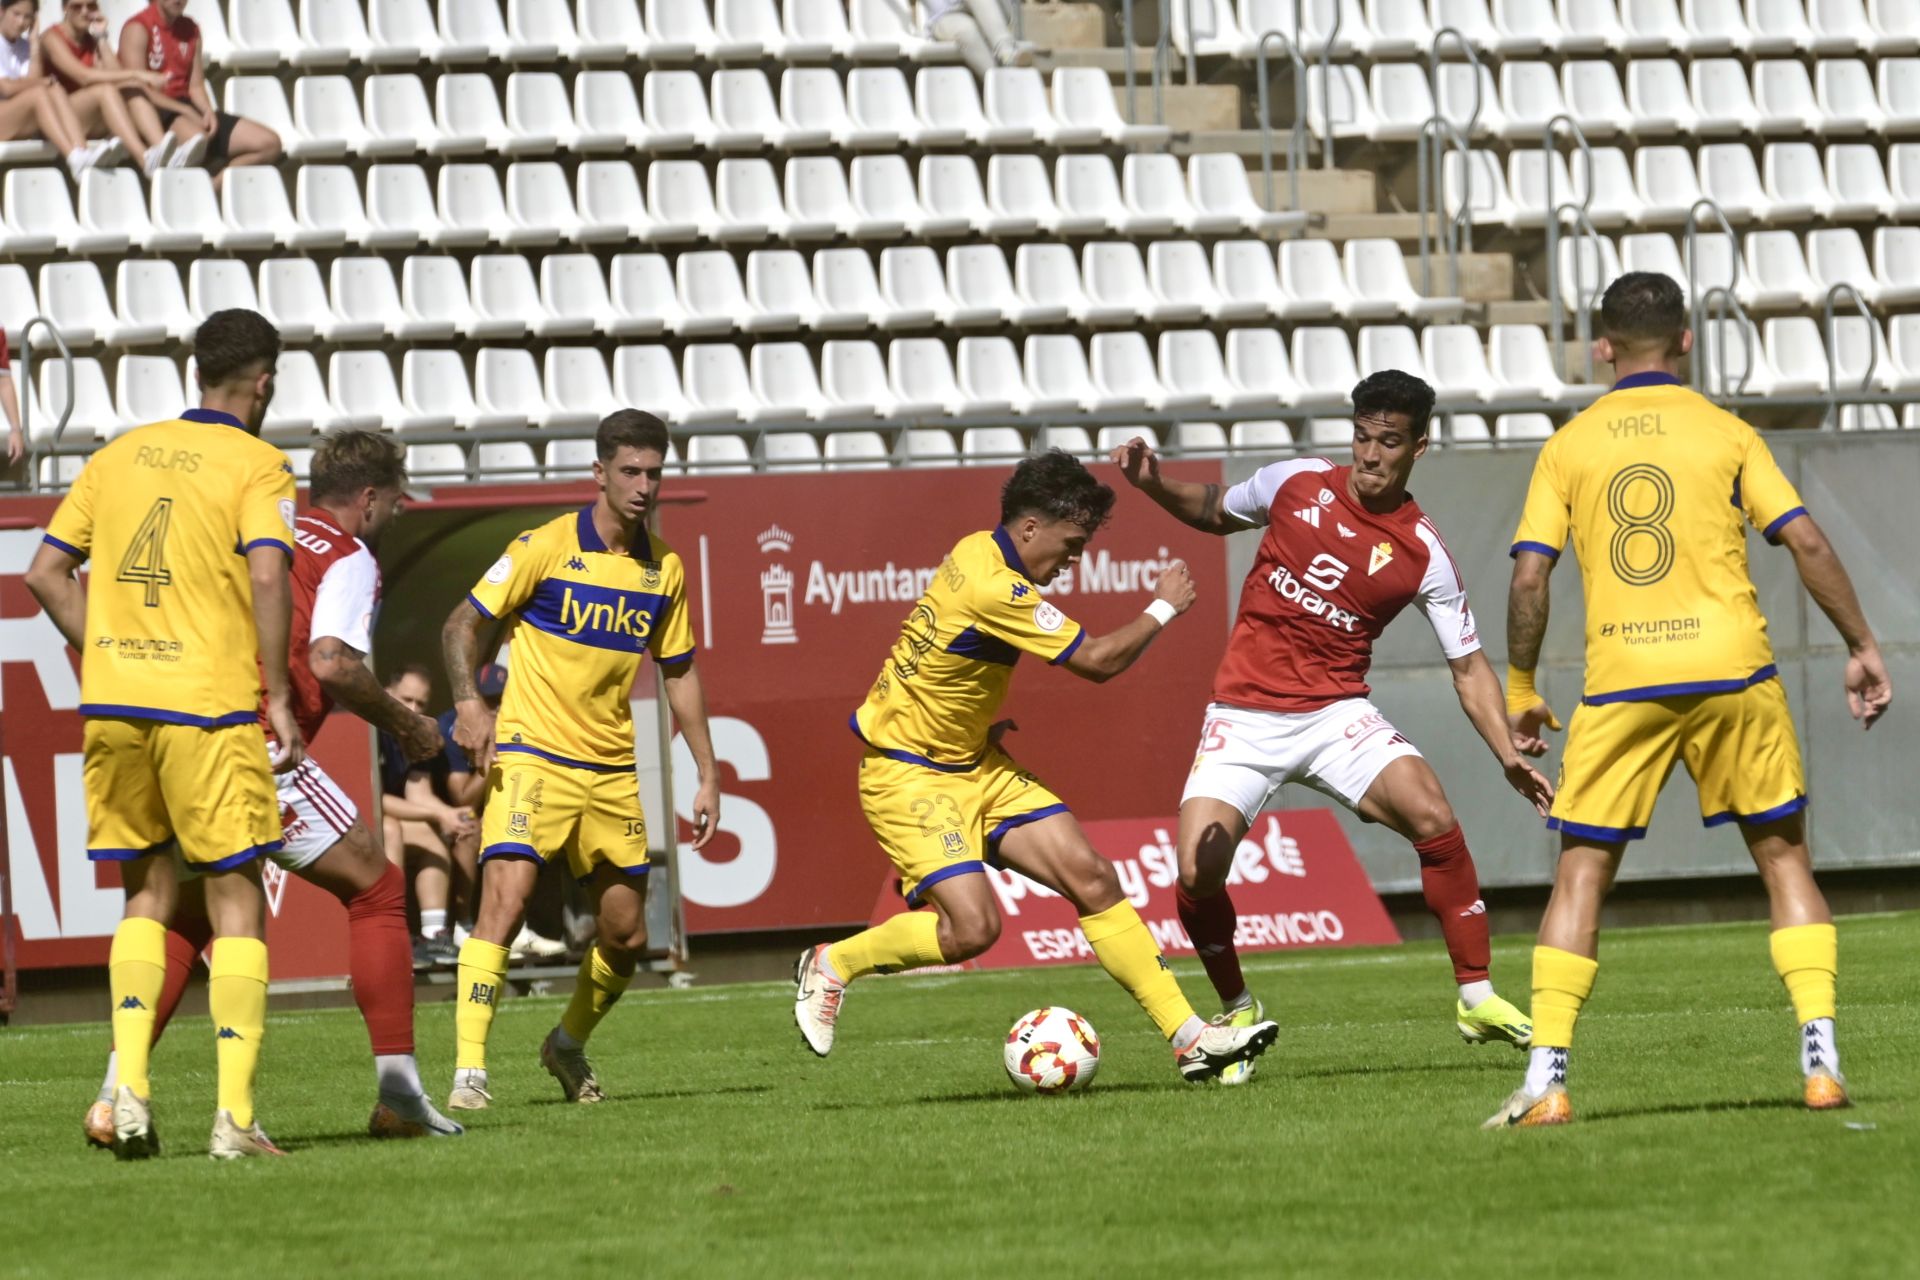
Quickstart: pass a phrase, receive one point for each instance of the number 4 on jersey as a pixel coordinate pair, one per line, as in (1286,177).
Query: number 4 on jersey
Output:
(146,560)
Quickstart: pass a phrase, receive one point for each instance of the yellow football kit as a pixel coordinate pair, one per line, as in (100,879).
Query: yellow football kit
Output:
(1655,486)
(169,680)
(563,774)
(938,798)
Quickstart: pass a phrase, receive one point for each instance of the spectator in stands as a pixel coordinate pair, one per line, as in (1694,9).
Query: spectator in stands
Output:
(418,827)
(979,27)
(162,38)
(10,406)
(455,783)
(31,104)
(81,60)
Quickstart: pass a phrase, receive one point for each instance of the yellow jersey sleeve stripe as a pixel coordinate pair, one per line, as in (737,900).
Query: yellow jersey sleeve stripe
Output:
(1773,529)
(67,547)
(1551,553)
(480,608)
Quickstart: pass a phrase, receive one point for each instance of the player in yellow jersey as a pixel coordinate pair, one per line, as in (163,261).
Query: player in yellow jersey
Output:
(945,801)
(589,593)
(189,525)
(1655,486)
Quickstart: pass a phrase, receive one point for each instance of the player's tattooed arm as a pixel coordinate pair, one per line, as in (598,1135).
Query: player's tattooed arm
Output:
(1199,506)
(342,671)
(460,646)
(1527,608)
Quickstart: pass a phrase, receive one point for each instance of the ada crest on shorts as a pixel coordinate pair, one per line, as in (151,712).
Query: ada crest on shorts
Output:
(517,824)
(953,844)
(1046,617)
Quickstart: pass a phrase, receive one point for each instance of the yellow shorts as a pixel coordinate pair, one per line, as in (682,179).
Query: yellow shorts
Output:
(538,807)
(1740,748)
(149,783)
(936,825)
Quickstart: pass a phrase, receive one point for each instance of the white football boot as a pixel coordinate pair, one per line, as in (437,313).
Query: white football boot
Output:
(1219,1047)
(816,1000)
(571,1068)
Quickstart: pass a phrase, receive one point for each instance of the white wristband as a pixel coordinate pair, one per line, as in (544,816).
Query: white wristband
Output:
(1162,612)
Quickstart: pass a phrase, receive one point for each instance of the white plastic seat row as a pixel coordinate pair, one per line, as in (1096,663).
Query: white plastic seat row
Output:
(1788,356)
(1767,270)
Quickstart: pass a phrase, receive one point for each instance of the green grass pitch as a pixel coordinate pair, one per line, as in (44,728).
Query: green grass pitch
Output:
(728,1150)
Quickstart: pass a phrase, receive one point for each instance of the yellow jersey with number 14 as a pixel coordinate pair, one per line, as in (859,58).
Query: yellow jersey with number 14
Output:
(1656,486)
(584,615)
(167,513)
(948,672)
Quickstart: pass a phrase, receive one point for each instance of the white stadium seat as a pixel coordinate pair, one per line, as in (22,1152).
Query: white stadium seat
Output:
(1458,362)
(148,292)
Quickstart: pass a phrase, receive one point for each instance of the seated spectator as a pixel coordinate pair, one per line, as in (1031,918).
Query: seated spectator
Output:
(162,38)
(30,104)
(979,27)
(84,68)
(419,828)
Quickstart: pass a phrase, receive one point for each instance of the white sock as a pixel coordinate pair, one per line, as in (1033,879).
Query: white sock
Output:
(470,1075)
(399,1076)
(433,923)
(108,1085)
(564,1041)
(1472,993)
(1817,1048)
(1242,1001)
(1546,1067)
(1188,1034)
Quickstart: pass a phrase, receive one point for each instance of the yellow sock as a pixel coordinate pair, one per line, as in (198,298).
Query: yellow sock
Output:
(136,970)
(482,971)
(1131,957)
(237,998)
(910,940)
(1807,958)
(593,994)
(1562,981)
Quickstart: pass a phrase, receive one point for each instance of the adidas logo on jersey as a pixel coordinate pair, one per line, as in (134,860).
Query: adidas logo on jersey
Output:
(1310,514)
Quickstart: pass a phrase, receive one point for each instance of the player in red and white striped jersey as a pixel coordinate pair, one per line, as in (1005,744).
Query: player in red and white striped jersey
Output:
(356,485)
(1346,550)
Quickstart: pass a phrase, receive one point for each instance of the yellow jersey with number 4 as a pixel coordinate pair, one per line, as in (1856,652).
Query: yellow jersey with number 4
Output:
(167,513)
(584,616)
(1656,486)
(948,672)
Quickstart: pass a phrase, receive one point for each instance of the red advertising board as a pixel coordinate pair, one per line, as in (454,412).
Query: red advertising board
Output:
(1295,883)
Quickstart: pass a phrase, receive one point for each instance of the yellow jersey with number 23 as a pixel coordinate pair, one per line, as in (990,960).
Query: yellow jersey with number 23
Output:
(1656,485)
(948,672)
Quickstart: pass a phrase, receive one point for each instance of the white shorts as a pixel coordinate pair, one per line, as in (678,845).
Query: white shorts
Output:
(315,815)
(1246,755)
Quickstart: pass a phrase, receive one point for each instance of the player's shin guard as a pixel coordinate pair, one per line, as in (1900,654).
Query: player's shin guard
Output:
(910,940)
(482,972)
(380,958)
(1451,887)
(1562,982)
(1131,957)
(1210,922)
(1807,958)
(136,975)
(594,992)
(237,998)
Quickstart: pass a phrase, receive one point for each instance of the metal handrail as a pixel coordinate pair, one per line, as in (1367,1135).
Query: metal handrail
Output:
(1583,296)
(1440,37)
(1717,305)
(1582,223)
(1126,47)
(1701,300)
(1832,418)
(1162,46)
(1297,141)
(27,396)
(1187,8)
(1326,72)
(1436,135)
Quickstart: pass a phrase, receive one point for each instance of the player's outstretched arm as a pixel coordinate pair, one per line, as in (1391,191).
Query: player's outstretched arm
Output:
(53,579)
(1200,506)
(1869,689)
(688,701)
(1527,606)
(1101,658)
(269,569)
(342,671)
(473,723)
(1479,692)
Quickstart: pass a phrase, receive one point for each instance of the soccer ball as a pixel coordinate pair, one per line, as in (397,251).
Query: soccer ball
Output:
(1052,1051)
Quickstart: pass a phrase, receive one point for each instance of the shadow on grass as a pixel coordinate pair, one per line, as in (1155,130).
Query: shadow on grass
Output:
(616,1099)
(1694,1108)
(1485,1066)
(988,1095)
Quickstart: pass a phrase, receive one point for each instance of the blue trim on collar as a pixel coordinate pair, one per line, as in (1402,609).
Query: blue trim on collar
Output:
(1004,540)
(590,539)
(213,417)
(1650,378)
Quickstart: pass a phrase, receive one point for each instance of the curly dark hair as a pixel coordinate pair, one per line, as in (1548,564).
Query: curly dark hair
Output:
(1394,391)
(230,342)
(1055,485)
(1643,309)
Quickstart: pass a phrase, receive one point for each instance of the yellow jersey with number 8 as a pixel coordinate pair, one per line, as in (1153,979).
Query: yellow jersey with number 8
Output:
(167,513)
(948,672)
(1656,486)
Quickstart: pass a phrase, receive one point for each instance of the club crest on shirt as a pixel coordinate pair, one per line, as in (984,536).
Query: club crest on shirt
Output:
(1046,617)
(1379,559)
(649,575)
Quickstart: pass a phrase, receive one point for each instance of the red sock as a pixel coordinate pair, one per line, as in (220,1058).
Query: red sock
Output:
(1210,922)
(380,960)
(1452,889)
(185,942)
